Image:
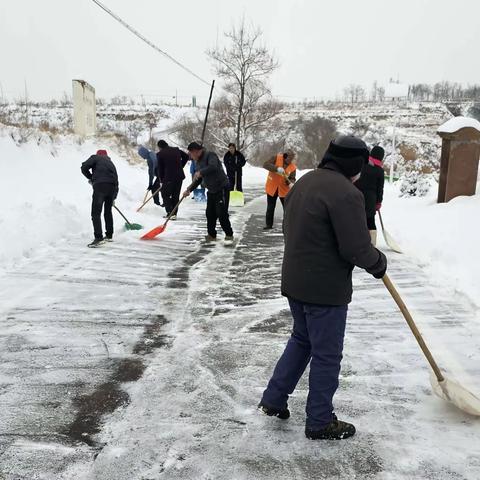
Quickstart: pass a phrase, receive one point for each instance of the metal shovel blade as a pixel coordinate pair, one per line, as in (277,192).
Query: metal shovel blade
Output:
(454,393)
(153,233)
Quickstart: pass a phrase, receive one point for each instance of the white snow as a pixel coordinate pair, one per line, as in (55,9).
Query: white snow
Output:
(68,312)
(457,123)
(443,237)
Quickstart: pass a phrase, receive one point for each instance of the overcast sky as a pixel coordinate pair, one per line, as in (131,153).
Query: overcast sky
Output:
(322,45)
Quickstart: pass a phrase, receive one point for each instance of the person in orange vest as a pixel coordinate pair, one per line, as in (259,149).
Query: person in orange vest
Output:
(281,176)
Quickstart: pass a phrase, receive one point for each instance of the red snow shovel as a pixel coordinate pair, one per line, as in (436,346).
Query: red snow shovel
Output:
(158,230)
(442,387)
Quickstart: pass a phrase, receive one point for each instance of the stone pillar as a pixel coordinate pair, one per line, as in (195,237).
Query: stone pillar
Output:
(84,108)
(460,156)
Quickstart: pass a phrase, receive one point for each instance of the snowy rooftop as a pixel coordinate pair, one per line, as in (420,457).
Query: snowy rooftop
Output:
(457,123)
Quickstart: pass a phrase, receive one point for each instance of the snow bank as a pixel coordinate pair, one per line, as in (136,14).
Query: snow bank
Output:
(44,196)
(457,123)
(443,237)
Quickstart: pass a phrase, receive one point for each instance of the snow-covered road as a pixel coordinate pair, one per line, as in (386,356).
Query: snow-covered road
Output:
(145,361)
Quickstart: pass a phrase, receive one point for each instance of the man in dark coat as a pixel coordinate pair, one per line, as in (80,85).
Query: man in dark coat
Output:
(209,171)
(171,161)
(371,183)
(153,181)
(326,236)
(234,162)
(102,175)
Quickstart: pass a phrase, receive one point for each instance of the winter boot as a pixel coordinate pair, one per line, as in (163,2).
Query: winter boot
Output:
(373,236)
(108,238)
(209,238)
(281,413)
(228,240)
(267,227)
(96,243)
(335,430)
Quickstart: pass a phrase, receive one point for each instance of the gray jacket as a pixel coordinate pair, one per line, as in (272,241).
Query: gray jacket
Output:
(213,177)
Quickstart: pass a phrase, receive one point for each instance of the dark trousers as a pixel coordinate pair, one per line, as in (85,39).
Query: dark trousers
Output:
(371,223)
(155,187)
(217,208)
(171,195)
(235,179)
(318,332)
(103,196)
(271,203)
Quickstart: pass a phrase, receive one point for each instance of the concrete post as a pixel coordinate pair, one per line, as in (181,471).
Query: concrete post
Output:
(459,159)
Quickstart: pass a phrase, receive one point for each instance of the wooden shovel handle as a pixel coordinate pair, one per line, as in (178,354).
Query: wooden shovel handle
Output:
(403,308)
(148,199)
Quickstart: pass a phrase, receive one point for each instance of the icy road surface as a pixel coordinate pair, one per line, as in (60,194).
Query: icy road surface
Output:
(144,361)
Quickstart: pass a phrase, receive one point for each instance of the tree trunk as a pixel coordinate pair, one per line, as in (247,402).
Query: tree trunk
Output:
(240,112)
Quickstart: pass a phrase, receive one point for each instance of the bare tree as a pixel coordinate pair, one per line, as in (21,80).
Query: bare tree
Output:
(317,134)
(245,65)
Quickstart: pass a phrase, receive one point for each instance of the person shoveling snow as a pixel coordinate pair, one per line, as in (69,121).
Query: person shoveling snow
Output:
(102,175)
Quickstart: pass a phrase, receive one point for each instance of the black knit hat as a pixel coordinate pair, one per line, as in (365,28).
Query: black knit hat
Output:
(162,144)
(194,146)
(377,152)
(349,153)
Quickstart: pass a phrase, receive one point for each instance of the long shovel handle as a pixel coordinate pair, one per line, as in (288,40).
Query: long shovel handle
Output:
(381,222)
(173,212)
(124,217)
(146,201)
(403,308)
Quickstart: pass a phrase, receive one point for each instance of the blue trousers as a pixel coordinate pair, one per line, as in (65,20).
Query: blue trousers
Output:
(318,332)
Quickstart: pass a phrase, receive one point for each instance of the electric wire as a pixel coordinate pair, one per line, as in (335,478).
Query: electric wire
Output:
(148,42)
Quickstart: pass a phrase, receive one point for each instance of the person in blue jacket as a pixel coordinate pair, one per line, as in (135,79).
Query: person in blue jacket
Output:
(153,181)
(198,193)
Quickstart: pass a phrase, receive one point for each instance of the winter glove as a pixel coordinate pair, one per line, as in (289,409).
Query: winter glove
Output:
(378,206)
(90,182)
(149,186)
(280,170)
(378,269)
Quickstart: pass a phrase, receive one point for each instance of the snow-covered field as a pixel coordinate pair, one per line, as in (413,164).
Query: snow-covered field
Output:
(168,344)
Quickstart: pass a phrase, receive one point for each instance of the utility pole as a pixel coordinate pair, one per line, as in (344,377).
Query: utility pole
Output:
(393,154)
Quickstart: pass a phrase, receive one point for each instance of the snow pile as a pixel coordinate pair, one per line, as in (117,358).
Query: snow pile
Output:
(443,237)
(457,123)
(44,196)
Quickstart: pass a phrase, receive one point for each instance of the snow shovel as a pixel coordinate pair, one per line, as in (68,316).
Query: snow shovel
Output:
(236,199)
(442,387)
(148,199)
(128,225)
(158,230)
(388,238)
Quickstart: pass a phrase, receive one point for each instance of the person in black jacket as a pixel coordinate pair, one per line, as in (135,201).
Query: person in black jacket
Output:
(234,162)
(170,164)
(326,236)
(371,183)
(209,171)
(102,175)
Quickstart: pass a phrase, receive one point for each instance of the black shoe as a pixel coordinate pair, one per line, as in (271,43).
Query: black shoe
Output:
(282,413)
(96,243)
(335,430)
(109,238)
(267,227)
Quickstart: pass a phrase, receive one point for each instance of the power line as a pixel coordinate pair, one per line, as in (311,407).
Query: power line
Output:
(148,42)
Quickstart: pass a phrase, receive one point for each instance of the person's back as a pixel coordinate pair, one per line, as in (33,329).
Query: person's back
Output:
(214,176)
(322,221)
(171,163)
(103,169)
